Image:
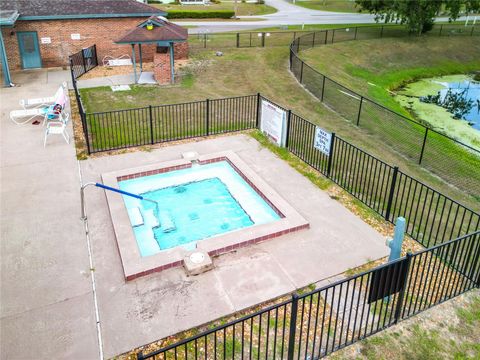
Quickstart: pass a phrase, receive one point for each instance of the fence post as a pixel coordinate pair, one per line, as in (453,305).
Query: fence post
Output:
(71,72)
(238,40)
(263,39)
(287,135)
(359,110)
(326,36)
(381,32)
(84,62)
(96,55)
(323,88)
(151,123)
(205,40)
(391,192)
(207,116)
(301,72)
(330,155)
(313,39)
(401,296)
(293,327)
(356,29)
(83,117)
(441,28)
(423,145)
(471,32)
(294,35)
(258,110)
(333,35)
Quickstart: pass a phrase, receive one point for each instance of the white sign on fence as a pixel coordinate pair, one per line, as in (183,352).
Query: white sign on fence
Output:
(75,36)
(272,122)
(46,40)
(322,140)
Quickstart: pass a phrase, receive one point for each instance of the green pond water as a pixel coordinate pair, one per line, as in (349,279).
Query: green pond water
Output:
(467,129)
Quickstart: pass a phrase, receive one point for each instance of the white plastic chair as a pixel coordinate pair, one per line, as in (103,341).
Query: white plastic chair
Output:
(57,127)
(45,101)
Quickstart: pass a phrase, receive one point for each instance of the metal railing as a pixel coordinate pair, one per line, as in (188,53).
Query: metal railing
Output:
(315,324)
(149,125)
(432,217)
(448,158)
(83,61)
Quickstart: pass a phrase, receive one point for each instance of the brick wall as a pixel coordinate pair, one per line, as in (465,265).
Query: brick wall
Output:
(102,32)
(161,66)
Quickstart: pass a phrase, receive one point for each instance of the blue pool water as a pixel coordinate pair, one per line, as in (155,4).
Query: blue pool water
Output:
(472,92)
(194,204)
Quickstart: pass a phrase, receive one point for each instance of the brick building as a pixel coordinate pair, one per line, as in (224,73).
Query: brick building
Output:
(43,33)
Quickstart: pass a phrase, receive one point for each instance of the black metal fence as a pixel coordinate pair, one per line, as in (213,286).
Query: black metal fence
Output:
(261,38)
(453,161)
(313,325)
(120,129)
(339,314)
(432,217)
(83,61)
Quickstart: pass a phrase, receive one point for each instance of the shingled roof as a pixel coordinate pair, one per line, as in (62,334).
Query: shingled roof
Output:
(71,9)
(163,30)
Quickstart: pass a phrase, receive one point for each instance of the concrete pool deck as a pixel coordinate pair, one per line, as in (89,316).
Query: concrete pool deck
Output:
(47,304)
(47,309)
(149,308)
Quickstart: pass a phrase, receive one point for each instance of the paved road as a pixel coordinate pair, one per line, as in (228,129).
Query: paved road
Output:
(287,14)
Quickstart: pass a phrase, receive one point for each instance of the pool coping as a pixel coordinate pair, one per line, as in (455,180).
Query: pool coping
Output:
(134,265)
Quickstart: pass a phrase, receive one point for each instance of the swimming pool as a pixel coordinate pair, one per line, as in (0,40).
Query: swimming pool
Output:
(193,204)
(215,205)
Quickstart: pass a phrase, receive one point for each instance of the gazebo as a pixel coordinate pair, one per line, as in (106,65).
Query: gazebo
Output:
(166,40)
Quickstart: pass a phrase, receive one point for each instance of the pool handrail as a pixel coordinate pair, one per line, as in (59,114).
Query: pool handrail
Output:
(123,192)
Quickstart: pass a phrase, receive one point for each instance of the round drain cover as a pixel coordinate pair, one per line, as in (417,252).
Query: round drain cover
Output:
(197,258)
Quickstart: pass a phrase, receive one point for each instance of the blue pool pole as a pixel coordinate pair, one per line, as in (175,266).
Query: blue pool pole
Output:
(395,244)
(82,195)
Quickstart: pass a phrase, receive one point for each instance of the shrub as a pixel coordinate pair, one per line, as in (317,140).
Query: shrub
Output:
(155,2)
(200,14)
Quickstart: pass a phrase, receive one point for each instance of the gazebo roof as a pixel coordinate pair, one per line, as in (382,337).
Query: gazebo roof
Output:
(162,31)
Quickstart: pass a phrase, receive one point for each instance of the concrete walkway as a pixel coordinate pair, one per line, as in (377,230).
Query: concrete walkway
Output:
(47,309)
(127,79)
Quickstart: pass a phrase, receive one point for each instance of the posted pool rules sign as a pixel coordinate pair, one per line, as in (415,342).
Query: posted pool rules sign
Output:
(322,140)
(273,121)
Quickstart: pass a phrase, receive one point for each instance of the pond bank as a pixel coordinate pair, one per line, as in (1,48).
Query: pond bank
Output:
(436,116)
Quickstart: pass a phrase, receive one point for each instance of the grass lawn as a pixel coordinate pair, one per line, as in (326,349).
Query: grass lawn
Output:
(448,331)
(248,71)
(243,8)
(348,6)
(376,68)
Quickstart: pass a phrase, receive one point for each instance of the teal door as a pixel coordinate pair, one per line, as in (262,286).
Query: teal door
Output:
(29,50)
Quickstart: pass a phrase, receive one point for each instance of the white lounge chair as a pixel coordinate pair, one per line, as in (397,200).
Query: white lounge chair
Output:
(57,128)
(45,101)
(21,117)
